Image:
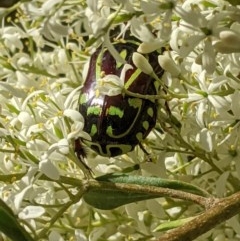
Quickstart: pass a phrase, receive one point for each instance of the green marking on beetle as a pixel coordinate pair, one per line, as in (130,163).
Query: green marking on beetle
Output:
(132,78)
(124,148)
(115,111)
(123,54)
(83,98)
(99,64)
(150,111)
(94,110)
(135,102)
(146,125)
(139,136)
(93,130)
(109,130)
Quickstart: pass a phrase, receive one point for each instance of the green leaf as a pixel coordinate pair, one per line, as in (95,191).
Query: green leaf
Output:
(10,226)
(12,108)
(58,132)
(110,199)
(234,2)
(208,4)
(35,70)
(107,199)
(172,224)
(152,181)
(7,3)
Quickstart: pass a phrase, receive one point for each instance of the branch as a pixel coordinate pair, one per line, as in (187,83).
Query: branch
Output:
(220,211)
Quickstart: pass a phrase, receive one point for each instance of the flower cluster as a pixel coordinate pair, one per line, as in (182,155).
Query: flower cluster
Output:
(45,47)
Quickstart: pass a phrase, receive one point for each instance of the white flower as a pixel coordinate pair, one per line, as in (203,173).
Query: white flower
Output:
(208,90)
(235,104)
(80,235)
(198,31)
(109,85)
(48,168)
(62,146)
(112,85)
(202,114)
(73,114)
(204,138)
(30,212)
(25,118)
(97,18)
(18,199)
(54,235)
(208,57)
(49,5)
(12,41)
(140,30)
(37,145)
(77,131)
(96,233)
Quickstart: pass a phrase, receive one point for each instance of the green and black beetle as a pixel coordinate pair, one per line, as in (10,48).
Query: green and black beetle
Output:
(118,123)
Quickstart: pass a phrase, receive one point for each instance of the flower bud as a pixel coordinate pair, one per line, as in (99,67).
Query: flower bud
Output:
(146,48)
(169,65)
(229,42)
(142,63)
(224,48)
(230,38)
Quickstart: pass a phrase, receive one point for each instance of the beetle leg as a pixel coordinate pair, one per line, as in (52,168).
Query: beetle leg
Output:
(149,159)
(81,155)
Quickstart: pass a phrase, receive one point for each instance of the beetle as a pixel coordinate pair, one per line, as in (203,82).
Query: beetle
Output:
(118,123)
